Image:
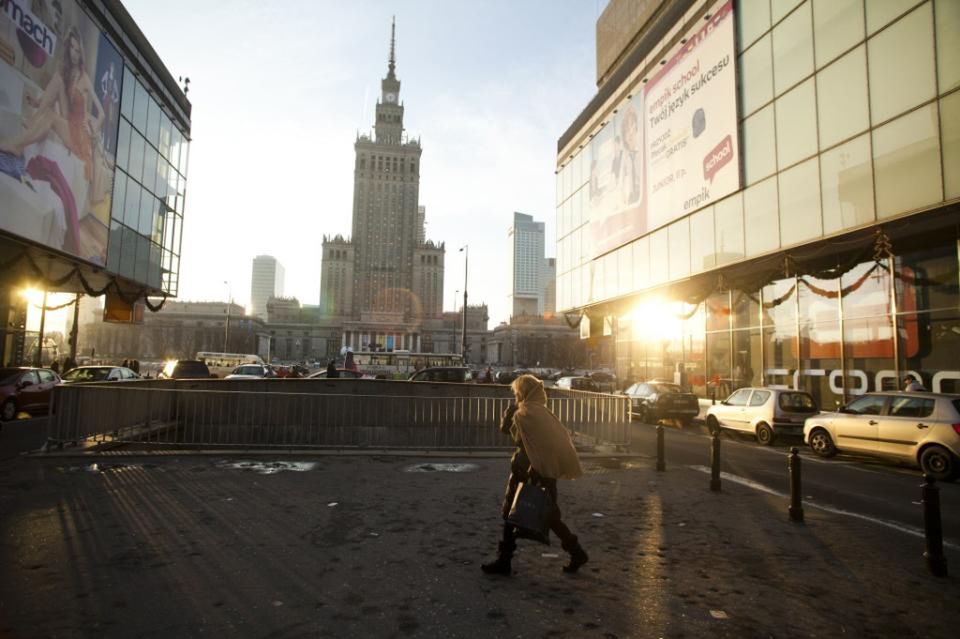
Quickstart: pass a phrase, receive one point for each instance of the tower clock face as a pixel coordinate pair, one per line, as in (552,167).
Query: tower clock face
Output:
(391,97)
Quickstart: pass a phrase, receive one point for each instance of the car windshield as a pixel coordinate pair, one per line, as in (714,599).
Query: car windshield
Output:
(797,403)
(666,388)
(87,374)
(192,369)
(7,375)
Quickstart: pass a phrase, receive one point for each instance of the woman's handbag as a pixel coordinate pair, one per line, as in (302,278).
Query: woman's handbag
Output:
(531,512)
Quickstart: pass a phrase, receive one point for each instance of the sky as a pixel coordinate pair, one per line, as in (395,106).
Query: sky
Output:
(281,89)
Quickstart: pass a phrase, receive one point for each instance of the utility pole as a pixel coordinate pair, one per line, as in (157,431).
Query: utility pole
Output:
(466,262)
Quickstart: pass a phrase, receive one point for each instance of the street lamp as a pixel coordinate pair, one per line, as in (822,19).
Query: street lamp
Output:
(465,249)
(226,330)
(456,294)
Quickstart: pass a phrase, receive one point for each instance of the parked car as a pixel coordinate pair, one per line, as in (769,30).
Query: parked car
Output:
(25,389)
(343,373)
(456,374)
(99,374)
(655,400)
(251,371)
(763,412)
(918,427)
(575,382)
(184,369)
(605,382)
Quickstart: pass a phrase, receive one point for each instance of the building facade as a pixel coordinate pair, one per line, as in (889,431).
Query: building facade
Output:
(266,281)
(386,280)
(525,265)
(101,212)
(766,193)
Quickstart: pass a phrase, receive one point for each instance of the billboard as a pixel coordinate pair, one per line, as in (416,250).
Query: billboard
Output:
(673,147)
(59,111)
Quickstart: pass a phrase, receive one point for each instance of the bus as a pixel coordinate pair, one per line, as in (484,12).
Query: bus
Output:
(402,363)
(227,360)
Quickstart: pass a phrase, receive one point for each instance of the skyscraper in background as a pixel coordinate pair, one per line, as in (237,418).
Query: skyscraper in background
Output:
(266,281)
(526,265)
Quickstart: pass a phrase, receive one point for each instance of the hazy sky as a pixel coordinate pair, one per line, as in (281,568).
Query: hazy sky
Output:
(280,90)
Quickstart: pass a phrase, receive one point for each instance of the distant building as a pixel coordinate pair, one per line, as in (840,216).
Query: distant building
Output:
(525,265)
(549,285)
(267,281)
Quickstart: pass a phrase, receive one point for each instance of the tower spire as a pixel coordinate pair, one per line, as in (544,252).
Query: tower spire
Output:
(393,38)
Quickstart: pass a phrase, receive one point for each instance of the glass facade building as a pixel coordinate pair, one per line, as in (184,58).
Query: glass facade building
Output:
(832,265)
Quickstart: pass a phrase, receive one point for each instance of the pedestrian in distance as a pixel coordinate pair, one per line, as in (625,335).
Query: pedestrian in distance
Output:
(332,371)
(912,384)
(488,376)
(544,454)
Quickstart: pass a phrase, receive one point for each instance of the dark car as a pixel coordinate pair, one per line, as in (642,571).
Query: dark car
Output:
(457,374)
(605,382)
(185,369)
(25,390)
(98,374)
(652,401)
(342,373)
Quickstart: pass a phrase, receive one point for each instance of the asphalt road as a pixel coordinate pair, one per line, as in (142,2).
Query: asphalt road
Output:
(22,435)
(871,489)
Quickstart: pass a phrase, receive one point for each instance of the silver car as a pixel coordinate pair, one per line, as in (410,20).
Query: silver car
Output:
(763,412)
(919,427)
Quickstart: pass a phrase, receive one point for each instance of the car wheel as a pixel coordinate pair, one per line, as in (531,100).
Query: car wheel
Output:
(8,412)
(764,434)
(938,462)
(822,444)
(713,425)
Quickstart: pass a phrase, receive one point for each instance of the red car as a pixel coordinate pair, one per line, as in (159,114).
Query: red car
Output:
(25,390)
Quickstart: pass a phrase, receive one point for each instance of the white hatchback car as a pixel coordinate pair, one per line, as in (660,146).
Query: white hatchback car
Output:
(763,412)
(919,427)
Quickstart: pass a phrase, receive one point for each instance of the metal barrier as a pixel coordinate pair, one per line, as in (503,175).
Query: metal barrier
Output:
(375,414)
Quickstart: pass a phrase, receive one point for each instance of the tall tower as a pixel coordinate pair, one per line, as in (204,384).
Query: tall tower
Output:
(266,281)
(526,265)
(386,194)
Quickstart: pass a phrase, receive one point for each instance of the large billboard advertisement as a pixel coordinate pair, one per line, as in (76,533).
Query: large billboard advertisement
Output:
(59,110)
(671,148)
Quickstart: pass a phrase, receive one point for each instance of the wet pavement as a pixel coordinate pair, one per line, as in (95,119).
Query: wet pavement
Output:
(390,546)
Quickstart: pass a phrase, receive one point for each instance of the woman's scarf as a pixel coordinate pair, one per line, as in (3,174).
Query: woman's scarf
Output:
(545,439)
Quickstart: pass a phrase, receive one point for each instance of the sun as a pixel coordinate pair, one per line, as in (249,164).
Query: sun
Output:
(656,320)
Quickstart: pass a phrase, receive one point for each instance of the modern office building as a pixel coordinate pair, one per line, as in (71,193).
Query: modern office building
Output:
(525,262)
(266,281)
(766,193)
(548,285)
(99,211)
(387,279)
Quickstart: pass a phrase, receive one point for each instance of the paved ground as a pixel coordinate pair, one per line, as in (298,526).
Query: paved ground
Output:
(191,546)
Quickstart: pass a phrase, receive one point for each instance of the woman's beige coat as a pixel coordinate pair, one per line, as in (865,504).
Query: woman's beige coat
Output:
(545,439)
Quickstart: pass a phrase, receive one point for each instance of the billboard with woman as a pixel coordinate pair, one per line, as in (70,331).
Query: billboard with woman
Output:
(59,86)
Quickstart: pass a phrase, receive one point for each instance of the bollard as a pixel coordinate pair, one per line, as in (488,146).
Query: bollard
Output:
(933,533)
(661,462)
(715,463)
(796,496)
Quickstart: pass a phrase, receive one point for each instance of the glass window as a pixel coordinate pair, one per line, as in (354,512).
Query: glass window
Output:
(153,123)
(128,253)
(800,218)
(679,238)
(756,76)
(141,106)
(759,398)
(759,146)
(780,8)
(760,219)
(796,125)
(176,141)
(842,98)
(739,398)
(113,246)
(165,129)
(702,254)
(641,263)
(625,270)
(868,349)
(950,130)
(819,299)
(746,309)
(117,201)
(902,65)
(866,290)
(149,168)
(126,100)
(948,53)
(792,49)
(659,256)
(148,206)
(837,26)
(728,216)
(746,358)
(906,156)
(819,354)
(131,209)
(882,12)
(928,277)
(872,405)
(752,22)
(717,308)
(911,407)
(846,183)
(123,144)
(137,146)
(929,343)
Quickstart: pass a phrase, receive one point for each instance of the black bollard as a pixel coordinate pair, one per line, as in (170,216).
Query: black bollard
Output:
(796,496)
(661,462)
(715,463)
(933,532)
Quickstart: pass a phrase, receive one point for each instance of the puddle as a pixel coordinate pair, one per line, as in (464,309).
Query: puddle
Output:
(441,468)
(104,468)
(268,468)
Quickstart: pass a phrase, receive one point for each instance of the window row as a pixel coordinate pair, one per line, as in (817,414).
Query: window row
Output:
(139,107)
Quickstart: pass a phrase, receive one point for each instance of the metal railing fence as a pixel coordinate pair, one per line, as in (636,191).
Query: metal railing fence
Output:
(304,417)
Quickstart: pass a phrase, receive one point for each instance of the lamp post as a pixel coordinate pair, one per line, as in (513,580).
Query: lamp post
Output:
(38,360)
(456,295)
(226,330)
(465,249)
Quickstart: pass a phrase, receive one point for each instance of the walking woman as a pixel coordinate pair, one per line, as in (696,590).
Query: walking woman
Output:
(544,454)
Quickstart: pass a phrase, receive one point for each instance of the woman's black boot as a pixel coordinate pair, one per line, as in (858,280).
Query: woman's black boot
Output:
(501,565)
(578,556)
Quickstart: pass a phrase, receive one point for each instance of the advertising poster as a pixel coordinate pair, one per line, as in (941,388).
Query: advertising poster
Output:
(691,124)
(672,148)
(59,111)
